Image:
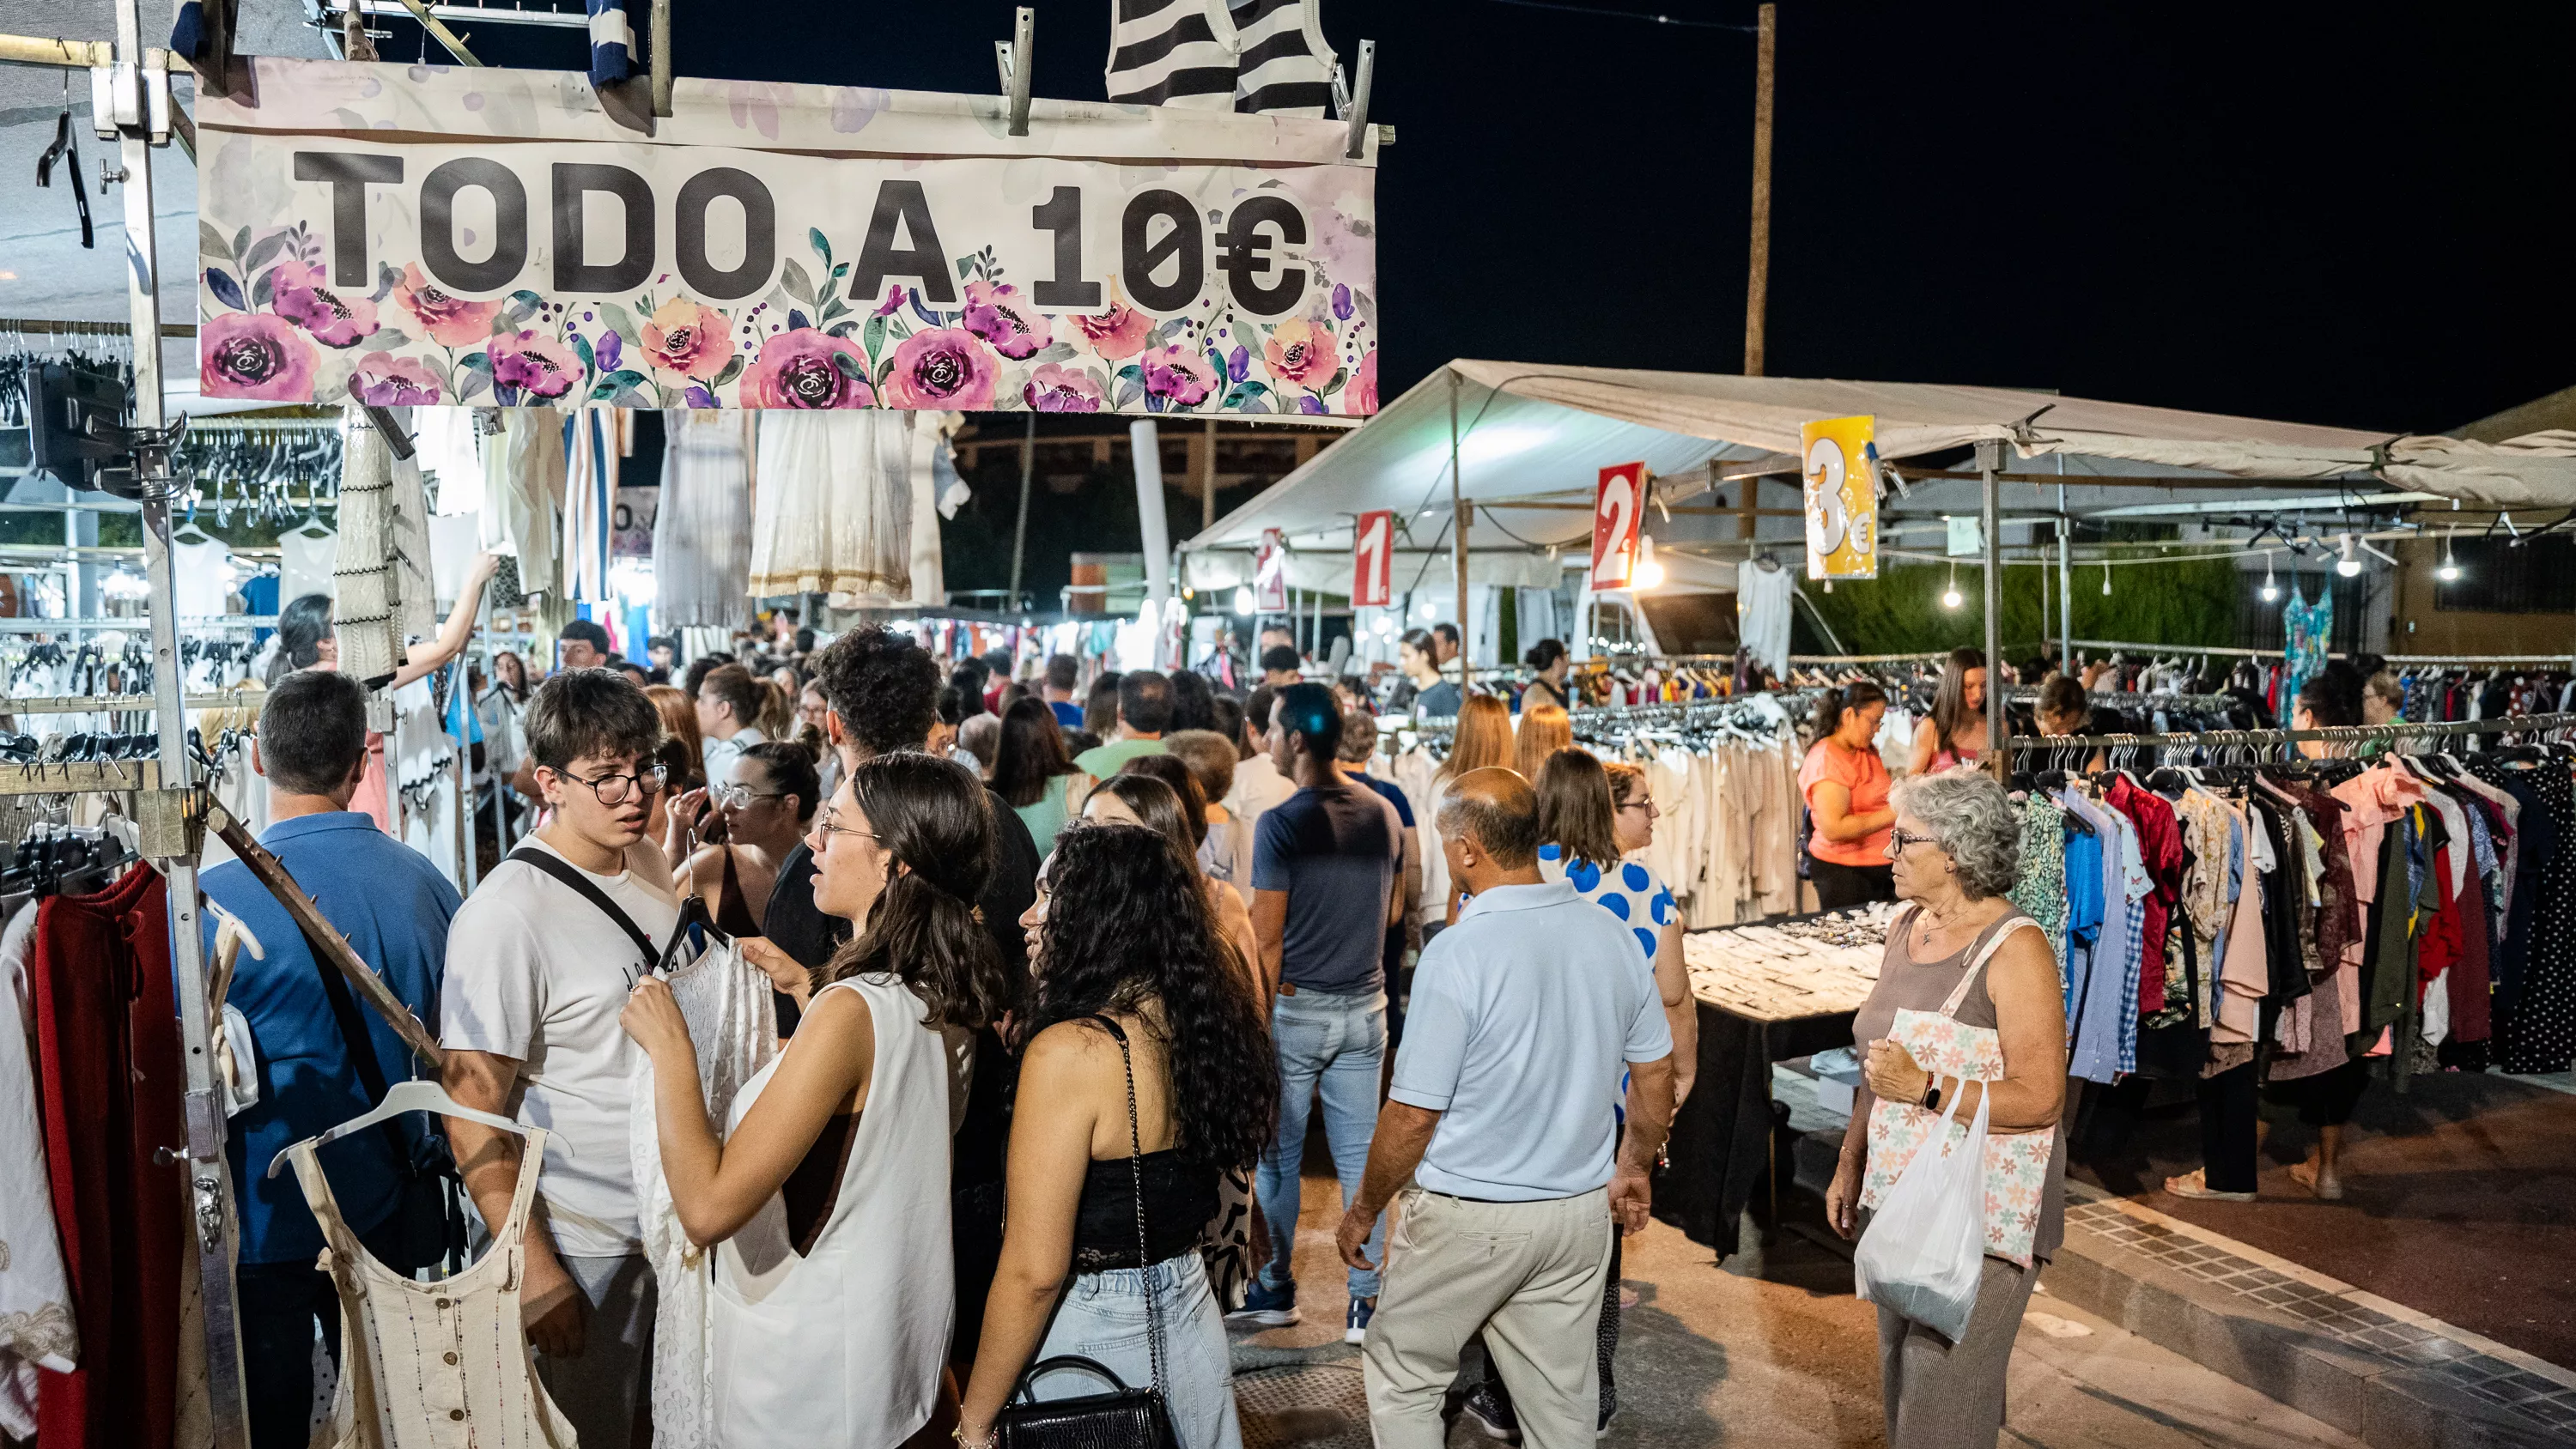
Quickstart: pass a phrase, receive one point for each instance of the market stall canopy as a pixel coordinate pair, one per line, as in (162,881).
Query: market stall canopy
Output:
(1531,436)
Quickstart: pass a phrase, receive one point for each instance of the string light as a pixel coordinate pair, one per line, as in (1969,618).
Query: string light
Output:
(2106,578)
(2449,572)
(2271,590)
(1243,601)
(1647,574)
(2350,564)
(1950,597)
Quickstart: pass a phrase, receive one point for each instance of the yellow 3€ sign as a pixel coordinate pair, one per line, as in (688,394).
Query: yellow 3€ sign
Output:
(1842,498)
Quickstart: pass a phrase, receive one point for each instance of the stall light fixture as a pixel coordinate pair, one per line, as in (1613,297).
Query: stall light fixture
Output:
(2271,590)
(2106,578)
(1950,596)
(2350,564)
(2449,572)
(1243,601)
(1647,574)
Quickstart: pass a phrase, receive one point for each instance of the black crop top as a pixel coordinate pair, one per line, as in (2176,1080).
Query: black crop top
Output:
(1179,1200)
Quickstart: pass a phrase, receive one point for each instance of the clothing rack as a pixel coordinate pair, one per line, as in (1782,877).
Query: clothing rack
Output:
(1678,711)
(1796,660)
(140,622)
(2554,661)
(2335,734)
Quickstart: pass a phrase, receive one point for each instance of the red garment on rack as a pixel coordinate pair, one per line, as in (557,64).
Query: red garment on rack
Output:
(110,1073)
(2471,985)
(2160,842)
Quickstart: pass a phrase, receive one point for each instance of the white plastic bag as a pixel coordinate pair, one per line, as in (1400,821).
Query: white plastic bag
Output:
(1926,1245)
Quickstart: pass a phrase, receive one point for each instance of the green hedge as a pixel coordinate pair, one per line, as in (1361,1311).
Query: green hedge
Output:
(1900,612)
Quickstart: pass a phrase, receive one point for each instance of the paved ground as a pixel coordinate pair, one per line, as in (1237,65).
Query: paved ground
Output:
(2460,1199)
(1776,1353)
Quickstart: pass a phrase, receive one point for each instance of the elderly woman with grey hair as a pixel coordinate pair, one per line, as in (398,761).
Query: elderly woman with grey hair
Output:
(1967,1007)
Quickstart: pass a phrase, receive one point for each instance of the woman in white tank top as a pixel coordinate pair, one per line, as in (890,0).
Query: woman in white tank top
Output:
(833,1291)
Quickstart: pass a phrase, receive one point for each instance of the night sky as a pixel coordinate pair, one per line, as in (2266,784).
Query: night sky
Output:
(2321,214)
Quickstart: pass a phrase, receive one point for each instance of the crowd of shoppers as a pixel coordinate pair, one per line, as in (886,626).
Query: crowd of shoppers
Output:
(1060,987)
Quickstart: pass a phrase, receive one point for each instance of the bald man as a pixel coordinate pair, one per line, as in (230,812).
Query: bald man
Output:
(1523,1016)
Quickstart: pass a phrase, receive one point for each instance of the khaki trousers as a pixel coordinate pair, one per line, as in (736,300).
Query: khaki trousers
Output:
(1528,1275)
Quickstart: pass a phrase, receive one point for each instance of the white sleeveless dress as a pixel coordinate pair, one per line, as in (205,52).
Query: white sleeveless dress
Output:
(843,1345)
(440,1365)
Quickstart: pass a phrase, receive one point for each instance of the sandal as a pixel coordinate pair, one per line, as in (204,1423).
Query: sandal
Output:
(2196,1185)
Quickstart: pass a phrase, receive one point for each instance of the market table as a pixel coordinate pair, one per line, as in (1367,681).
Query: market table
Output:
(1765,994)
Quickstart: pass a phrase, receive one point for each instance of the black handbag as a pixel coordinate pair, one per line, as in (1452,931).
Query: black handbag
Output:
(1122,1418)
(429,1212)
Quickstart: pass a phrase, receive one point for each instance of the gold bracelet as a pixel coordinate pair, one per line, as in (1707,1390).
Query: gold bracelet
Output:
(991,1437)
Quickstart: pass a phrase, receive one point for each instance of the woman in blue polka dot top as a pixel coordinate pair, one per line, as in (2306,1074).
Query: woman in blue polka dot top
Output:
(1593,817)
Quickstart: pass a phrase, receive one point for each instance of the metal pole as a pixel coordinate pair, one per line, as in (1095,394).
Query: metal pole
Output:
(658,30)
(1207,480)
(1465,514)
(1989,463)
(1146,449)
(2065,582)
(1757,272)
(1020,531)
(210,1194)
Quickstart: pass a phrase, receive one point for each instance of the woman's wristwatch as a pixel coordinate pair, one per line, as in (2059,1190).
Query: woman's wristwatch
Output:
(1931,1094)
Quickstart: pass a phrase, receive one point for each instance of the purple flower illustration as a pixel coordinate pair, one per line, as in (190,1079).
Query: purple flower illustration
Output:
(996,312)
(1054,389)
(253,355)
(334,320)
(944,367)
(384,380)
(536,365)
(1178,376)
(1341,302)
(807,368)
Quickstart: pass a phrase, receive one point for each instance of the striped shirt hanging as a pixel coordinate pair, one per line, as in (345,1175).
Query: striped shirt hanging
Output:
(1286,66)
(613,51)
(1252,56)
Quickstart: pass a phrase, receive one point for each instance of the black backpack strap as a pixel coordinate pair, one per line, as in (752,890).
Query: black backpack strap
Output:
(564,871)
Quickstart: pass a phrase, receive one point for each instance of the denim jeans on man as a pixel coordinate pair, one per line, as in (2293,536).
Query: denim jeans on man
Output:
(1339,1043)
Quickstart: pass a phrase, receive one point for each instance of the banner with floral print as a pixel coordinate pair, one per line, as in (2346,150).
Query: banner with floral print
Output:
(417,234)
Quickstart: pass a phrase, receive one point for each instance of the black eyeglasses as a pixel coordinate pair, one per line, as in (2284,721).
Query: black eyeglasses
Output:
(613,789)
(1898,841)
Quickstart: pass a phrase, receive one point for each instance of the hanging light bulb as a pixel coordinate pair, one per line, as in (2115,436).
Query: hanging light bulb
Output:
(2106,578)
(2449,572)
(2350,564)
(1950,596)
(1243,601)
(2271,590)
(1648,573)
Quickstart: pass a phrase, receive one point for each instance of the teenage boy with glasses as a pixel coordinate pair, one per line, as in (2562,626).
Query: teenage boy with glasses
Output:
(539,964)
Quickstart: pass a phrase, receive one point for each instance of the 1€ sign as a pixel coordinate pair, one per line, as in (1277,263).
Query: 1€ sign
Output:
(1373,560)
(1841,498)
(1614,525)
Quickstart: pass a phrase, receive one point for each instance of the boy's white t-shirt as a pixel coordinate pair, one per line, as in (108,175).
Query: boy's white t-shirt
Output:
(537,973)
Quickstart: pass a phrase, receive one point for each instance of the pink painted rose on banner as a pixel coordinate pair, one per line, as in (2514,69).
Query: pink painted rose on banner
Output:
(301,296)
(449,321)
(384,380)
(688,339)
(535,364)
(254,355)
(996,312)
(1300,353)
(942,368)
(1178,376)
(1360,397)
(1117,334)
(1056,389)
(808,368)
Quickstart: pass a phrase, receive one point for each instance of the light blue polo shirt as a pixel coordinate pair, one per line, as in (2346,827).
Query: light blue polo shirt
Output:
(1523,1017)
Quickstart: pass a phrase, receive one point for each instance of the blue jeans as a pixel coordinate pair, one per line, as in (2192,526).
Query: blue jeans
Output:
(1103,1319)
(1339,1042)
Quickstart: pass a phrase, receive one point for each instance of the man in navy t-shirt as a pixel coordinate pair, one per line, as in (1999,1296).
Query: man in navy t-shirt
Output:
(1326,866)
(1062,673)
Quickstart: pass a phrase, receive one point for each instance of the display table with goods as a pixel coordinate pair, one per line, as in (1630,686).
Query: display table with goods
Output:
(1766,993)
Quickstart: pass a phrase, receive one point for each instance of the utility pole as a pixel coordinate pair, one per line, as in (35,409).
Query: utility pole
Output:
(1207,480)
(1757,274)
(1465,514)
(1020,532)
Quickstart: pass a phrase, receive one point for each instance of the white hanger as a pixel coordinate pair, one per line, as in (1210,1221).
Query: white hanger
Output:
(413,1096)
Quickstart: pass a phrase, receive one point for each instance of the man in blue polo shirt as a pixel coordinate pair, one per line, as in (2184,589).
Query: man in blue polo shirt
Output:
(393,906)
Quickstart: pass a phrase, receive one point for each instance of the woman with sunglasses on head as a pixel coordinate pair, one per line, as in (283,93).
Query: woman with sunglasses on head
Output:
(1132,1104)
(767,805)
(827,1200)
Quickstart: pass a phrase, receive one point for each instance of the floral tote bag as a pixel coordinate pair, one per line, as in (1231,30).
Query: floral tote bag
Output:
(2016,1163)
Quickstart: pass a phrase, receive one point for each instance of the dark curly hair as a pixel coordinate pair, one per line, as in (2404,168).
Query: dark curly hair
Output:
(884,687)
(931,817)
(1127,925)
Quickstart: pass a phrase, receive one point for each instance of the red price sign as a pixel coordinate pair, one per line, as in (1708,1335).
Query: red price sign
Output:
(1614,524)
(1373,560)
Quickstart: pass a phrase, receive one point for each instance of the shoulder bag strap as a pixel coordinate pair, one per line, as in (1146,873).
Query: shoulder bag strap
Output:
(1136,1174)
(564,871)
(362,1052)
(2001,932)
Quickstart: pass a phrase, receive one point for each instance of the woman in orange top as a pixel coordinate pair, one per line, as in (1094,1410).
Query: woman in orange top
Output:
(1846,785)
